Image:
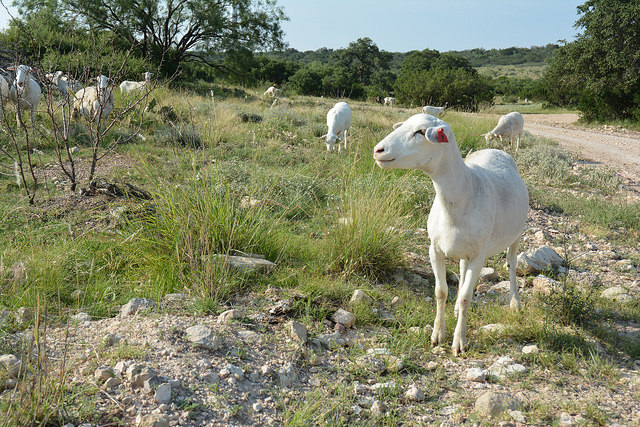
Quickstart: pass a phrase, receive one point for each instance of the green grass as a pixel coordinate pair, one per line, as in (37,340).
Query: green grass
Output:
(239,177)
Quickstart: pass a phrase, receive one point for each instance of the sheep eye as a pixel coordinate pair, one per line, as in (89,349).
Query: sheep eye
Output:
(422,132)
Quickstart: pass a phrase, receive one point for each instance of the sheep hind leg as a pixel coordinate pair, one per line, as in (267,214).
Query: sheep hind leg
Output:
(512,263)
(465,294)
(439,270)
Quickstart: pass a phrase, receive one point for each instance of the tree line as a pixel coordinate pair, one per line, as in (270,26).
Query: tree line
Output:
(197,42)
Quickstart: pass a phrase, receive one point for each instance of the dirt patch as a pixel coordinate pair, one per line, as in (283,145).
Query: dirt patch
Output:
(615,147)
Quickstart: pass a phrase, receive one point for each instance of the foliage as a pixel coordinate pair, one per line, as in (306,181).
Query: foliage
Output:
(171,32)
(428,77)
(600,71)
(509,56)
(362,58)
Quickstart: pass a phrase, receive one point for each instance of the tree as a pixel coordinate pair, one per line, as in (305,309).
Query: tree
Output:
(175,31)
(600,70)
(428,77)
(363,58)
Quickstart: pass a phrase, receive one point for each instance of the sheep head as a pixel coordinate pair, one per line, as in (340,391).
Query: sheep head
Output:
(417,143)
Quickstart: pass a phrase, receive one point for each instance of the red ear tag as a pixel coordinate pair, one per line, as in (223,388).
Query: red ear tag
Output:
(440,136)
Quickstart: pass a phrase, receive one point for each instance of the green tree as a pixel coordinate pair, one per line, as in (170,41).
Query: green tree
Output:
(600,70)
(363,58)
(175,31)
(428,77)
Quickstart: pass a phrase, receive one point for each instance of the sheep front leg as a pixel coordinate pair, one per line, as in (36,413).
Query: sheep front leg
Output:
(512,263)
(465,294)
(345,140)
(463,269)
(440,273)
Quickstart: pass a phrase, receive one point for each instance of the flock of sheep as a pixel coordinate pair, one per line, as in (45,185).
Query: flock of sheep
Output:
(93,102)
(481,202)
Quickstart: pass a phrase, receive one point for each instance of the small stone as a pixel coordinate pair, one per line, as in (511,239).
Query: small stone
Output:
(81,317)
(202,336)
(537,261)
(516,415)
(110,340)
(132,371)
(617,293)
(378,387)
(74,150)
(135,306)
(233,371)
(332,340)
(246,263)
(143,375)
(378,409)
(339,328)
(346,318)
(396,302)
(565,420)
(488,274)
(492,404)
(151,384)
(211,377)
(103,373)
(492,328)
(257,407)
(298,332)
(286,375)
(11,364)
(545,285)
(163,393)
(530,349)
(153,420)
(359,297)
(476,375)
(414,394)
(24,314)
(226,316)
(112,382)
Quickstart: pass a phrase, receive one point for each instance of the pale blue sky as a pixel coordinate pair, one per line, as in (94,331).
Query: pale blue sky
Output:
(404,25)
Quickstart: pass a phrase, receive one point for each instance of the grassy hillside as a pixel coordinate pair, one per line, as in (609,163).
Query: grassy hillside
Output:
(249,175)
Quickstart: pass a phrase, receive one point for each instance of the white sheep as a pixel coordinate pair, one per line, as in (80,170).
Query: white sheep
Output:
(389,101)
(509,126)
(130,86)
(63,83)
(272,91)
(94,102)
(480,208)
(338,121)
(434,111)
(25,92)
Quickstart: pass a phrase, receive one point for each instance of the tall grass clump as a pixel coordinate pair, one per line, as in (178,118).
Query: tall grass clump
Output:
(195,222)
(366,238)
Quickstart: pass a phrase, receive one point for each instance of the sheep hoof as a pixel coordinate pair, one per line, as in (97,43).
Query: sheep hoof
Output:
(458,346)
(515,304)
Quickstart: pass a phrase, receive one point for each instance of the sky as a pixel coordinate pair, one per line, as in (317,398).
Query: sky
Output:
(404,25)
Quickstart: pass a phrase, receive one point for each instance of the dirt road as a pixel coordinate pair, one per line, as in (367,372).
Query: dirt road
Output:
(617,148)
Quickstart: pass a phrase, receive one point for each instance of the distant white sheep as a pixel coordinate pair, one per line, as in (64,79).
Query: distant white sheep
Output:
(25,92)
(130,86)
(63,83)
(94,102)
(389,101)
(434,111)
(338,121)
(272,91)
(480,208)
(509,126)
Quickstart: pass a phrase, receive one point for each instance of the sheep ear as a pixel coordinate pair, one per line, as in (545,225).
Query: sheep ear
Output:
(437,135)
(397,125)
(323,136)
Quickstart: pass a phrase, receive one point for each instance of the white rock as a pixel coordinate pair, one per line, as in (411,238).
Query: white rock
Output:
(359,296)
(203,336)
(286,375)
(103,373)
(136,305)
(530,349)
(226,316)
(414,394)
(257,407)
(537,261)
(617,293)
(545,285)
(378,409)
(488,274)
(298,332)
(153,420)
(516,415)
(344,317)
(476,375)
(163,393)
(492,328)
(81,317)
(247,263)
(492,404)
(11,364)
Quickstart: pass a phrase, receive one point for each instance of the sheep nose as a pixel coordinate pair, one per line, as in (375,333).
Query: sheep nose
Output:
(379,150)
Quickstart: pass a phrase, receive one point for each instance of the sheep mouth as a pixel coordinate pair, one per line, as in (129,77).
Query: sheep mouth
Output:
(380,162)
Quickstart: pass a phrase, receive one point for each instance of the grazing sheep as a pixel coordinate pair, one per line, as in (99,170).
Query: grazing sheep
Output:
(338,122)
(94,102)
(273,91)
(389,101)
(509,125)
(25,92)
(63,83)
(480,208)
(434,111)
(130,86)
